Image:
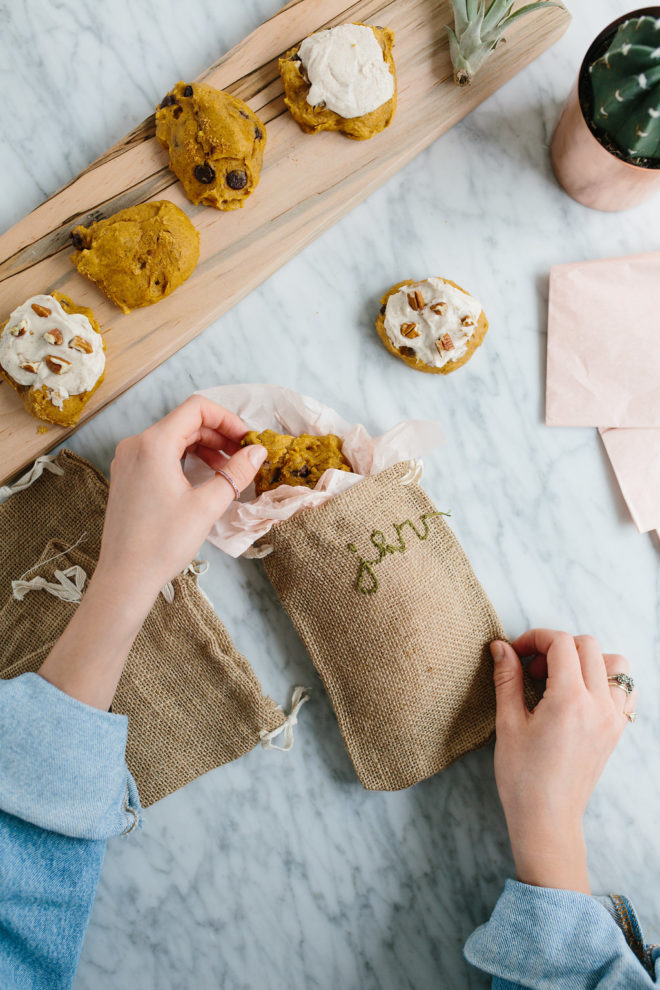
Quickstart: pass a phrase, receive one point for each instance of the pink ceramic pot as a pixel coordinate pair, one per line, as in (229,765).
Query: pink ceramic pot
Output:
(583,166)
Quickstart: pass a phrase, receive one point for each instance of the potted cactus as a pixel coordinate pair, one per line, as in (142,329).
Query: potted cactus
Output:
(605,150)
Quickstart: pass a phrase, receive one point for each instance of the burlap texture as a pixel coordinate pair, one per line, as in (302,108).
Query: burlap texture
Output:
(407,666)
(193,702)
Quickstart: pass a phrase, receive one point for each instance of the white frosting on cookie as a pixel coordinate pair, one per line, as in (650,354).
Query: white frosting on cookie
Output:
(456,314)
(31,350)
(347,70)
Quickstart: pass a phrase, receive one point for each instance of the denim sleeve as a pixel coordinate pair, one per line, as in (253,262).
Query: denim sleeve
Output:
(62,763)
(547,939)
(47,887)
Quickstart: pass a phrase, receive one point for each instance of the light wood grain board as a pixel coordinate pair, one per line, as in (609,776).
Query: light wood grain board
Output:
(308,182)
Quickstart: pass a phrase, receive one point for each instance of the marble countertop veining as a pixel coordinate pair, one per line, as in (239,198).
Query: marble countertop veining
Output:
(279,870)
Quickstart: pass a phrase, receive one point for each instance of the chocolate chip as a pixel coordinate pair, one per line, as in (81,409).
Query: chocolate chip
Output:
(236,179)
(188,91)
(296,58)
(302,472)
(77,241)
(167,101)
(258,134)
(177,112)
(407,351)
(382,310)
(204,173)
(244,114)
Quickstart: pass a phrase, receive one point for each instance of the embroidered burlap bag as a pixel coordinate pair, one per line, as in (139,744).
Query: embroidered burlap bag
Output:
(193,702)
(395,622)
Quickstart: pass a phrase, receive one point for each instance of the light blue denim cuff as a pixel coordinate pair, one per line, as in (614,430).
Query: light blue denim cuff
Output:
(548,939)
(63,763)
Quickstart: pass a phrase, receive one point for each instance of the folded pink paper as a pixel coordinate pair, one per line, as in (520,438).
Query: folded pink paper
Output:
(635,458)
(604,343)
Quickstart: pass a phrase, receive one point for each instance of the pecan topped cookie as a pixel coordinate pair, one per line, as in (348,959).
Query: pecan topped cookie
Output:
(52,354)
(295,460)
(433,325)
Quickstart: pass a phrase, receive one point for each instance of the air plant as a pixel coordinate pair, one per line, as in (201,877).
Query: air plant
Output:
(478,29)
(625,84)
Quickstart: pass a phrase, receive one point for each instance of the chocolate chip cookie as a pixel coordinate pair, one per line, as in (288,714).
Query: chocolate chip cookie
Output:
(295,460)
(216,144)
(139,255)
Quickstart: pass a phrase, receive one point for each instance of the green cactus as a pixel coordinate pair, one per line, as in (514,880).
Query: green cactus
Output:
(478,29)
(625,84)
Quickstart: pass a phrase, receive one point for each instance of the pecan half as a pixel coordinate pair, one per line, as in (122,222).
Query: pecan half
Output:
(31,366)
(80,344)
(54,336)
(56,364)
(439,308)
(467,321)
(40,310)
(19,329)
(409,330)
(445,343)
(416,300)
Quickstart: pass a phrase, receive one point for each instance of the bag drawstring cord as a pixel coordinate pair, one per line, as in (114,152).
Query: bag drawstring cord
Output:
(298,698)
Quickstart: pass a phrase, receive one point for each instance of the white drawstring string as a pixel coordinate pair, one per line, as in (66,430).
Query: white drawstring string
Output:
(299,697)
(44,463)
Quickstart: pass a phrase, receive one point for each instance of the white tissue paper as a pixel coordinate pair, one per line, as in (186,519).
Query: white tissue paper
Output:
(263,407)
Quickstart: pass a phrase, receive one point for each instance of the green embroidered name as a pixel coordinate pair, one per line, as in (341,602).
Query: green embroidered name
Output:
(367,582)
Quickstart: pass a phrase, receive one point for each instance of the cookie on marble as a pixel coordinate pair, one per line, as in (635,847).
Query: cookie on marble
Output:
(295,460)
(52,353)
(433,325)
(342,79)
(216,144)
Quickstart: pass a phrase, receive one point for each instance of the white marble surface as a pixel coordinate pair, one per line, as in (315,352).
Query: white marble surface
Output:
(280,871)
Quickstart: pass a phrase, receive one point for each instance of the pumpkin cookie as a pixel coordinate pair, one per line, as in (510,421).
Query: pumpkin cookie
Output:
(433,325)
(295,460)
(139,255)
(216,144)
(342,79)
(52,354)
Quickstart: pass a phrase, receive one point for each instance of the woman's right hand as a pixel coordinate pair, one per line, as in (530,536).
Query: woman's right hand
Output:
(548,761)
(156,520)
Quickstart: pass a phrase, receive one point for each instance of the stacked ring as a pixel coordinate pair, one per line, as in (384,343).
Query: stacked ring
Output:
(623,681)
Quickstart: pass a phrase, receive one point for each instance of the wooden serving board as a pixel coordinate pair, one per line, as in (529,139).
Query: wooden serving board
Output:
(307,183)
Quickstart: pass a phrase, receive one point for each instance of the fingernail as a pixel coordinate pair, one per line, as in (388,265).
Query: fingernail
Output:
(497,650)
(257,454)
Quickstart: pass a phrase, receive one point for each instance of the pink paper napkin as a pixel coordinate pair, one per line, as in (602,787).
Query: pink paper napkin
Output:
(635,457)
(604,343)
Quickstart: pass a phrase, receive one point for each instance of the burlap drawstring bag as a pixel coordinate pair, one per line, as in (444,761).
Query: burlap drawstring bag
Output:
(395,622)
(193,702)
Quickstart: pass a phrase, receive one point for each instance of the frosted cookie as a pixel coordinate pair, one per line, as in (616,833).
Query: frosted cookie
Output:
(342,79)
(295,460)
(433,325)
(139,255)
(216,144)
(52,354)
